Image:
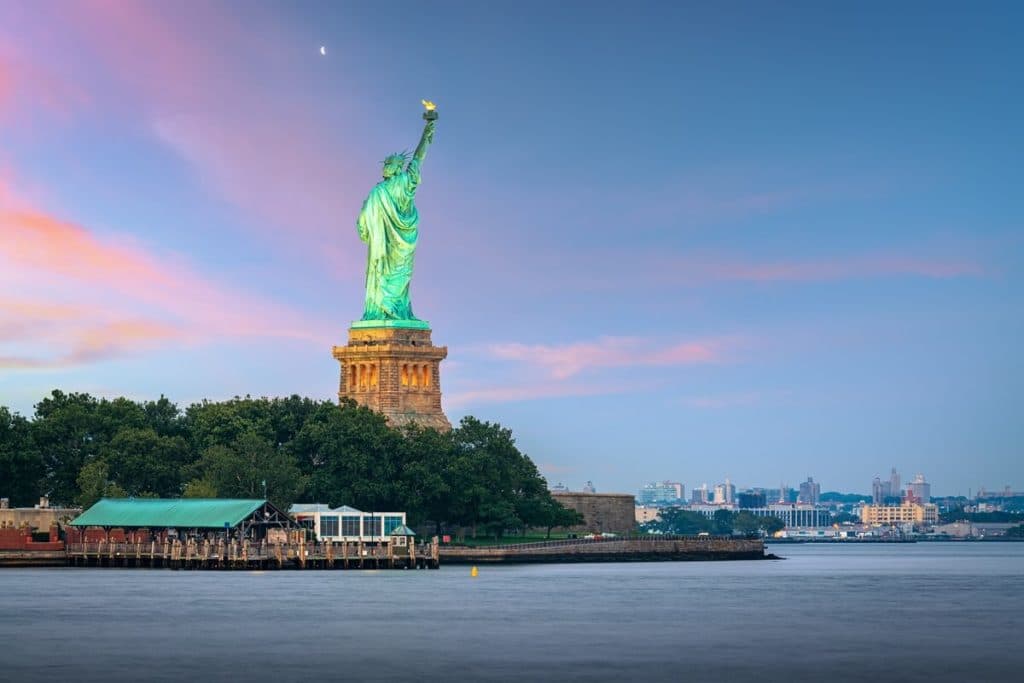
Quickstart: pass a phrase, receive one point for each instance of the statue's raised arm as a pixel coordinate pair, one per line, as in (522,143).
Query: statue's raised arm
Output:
(430,116)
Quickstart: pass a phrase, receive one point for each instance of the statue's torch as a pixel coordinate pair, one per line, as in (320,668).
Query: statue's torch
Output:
(429,110)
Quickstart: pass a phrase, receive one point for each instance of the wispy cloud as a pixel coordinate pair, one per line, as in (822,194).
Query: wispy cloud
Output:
(249,141)
(564,361)
(27,89)
(6,84)
(80,342)
(147,298)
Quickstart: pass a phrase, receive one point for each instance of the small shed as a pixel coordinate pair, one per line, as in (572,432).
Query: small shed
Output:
(400,535)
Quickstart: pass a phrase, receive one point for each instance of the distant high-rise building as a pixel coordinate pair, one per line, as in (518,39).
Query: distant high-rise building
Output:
(920,490)
(810,492)
(725,494)
(783,494)
(719,498)
(879,491)
(663,493)
(894,484)
(699,495)
(589,487)
(559,488)
(883,492)
(751,499)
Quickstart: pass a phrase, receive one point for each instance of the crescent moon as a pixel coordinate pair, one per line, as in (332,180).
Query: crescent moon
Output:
(323,49)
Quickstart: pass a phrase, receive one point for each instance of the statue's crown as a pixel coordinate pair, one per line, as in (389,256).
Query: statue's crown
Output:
(396,159)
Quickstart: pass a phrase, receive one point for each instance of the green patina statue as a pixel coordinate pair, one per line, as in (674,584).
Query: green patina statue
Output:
(388,224)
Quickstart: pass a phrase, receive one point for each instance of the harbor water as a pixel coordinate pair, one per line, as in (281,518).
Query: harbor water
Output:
(901,612)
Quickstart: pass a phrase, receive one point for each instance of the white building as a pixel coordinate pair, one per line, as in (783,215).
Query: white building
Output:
(795,514)
(346,524)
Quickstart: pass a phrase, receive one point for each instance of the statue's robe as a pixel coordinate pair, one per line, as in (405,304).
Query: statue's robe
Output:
(388,225)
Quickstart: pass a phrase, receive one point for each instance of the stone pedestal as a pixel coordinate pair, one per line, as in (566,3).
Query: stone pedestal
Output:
(395,371)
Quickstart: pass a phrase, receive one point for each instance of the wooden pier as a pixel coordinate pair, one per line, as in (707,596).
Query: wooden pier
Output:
(206,554)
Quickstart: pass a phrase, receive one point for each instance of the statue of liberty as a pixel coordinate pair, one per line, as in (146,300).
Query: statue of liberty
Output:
(388,224)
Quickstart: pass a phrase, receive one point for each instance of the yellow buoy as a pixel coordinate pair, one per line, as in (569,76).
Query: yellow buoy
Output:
(474,572)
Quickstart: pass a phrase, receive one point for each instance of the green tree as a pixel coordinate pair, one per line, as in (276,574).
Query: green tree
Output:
(113,415)
(94,483)
(79,448)
(144,463)
(222,423)
(68,435)
(422,484)
(287,416)
(200,488)
(239,470)
(492,482)
(21,466)
(721,522)
(165,418)
(675,520)
(352,456)
(746,523)
(547,513)
(772,524)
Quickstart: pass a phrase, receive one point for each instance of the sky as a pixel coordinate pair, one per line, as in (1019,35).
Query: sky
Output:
(682,241)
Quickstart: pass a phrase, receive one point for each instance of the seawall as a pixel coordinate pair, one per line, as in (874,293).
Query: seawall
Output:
(33,558)
(660,549)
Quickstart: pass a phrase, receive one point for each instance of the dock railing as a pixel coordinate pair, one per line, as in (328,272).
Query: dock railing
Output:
(211,553)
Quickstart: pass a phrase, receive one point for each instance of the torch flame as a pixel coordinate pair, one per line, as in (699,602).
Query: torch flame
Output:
(428,105)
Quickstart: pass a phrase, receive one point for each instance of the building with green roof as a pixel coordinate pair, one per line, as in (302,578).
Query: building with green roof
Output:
(250,518)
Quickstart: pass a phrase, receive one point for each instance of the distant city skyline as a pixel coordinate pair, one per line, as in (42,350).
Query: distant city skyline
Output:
(659,239)
(920,486)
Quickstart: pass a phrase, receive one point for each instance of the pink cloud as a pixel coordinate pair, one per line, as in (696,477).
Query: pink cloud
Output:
(564,361)
(276,176)
(28,88)
(6,85)
(85,341)
(214,96)
(90,298)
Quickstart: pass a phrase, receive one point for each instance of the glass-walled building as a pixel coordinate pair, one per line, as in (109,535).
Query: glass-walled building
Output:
(663,493)
(346,524)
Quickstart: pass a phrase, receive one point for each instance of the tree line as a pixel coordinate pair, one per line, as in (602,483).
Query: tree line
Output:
(959,515)
(77,448)
(675,520)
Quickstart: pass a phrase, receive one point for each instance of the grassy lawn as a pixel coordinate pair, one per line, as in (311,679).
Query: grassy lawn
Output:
(505,540)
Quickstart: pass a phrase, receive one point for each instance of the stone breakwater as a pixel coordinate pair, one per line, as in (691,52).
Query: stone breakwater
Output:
(33,558)
(659,549)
